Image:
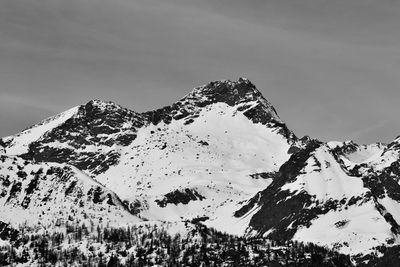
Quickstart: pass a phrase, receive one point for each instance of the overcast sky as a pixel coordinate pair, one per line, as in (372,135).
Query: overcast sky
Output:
(331,68)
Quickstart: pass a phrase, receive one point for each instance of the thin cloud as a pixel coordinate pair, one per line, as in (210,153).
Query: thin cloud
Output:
(342,55)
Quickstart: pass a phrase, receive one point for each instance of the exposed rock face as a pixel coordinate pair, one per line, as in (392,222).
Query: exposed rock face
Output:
(180,197)
(86,139)
(7,232)
(281,208)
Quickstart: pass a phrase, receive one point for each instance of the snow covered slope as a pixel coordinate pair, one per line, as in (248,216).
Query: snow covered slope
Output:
(213,157)
(50,194)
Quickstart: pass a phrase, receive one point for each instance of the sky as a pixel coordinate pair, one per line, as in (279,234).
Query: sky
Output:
(331,68)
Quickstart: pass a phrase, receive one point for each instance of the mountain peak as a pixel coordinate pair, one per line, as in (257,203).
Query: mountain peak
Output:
(242,93)
(240,88)
(105,110)
(243,79)
(101,104)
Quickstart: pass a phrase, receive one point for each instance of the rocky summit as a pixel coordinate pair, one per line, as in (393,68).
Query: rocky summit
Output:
(219,160)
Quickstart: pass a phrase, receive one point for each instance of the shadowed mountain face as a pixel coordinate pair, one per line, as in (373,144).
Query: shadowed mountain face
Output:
(221,153)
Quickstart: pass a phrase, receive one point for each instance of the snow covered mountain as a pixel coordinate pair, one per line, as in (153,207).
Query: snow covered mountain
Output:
(220,156)
(316,198)
(200,157)
(49,194)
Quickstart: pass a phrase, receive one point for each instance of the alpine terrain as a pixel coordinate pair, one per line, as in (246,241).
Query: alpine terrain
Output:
(214,175)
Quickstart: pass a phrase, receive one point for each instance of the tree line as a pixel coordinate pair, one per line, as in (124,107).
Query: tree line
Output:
(152,245)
